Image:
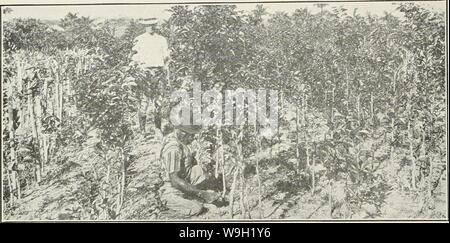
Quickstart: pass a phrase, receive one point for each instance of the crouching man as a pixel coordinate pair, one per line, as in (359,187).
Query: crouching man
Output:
(186,182)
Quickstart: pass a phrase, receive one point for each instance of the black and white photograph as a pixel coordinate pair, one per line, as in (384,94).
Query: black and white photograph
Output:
(211,111)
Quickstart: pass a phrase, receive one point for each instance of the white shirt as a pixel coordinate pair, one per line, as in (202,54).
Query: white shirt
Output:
(151,50)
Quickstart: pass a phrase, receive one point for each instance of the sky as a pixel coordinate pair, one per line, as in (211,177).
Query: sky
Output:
(160,11)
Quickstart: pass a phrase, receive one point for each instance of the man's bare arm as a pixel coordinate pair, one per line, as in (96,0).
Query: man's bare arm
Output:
(189,189)
(182,185)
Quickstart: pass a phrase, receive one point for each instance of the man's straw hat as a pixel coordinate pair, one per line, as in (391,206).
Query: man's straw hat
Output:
(190,129)
(149,21)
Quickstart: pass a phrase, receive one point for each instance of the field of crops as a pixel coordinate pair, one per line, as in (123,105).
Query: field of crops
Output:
(362,114)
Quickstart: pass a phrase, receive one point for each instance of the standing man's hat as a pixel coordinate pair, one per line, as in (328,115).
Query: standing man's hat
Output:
(149,21)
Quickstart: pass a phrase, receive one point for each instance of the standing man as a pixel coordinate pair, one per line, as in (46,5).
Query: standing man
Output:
(151,53)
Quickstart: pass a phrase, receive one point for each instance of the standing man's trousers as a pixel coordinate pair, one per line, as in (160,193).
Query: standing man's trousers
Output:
(154,90)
